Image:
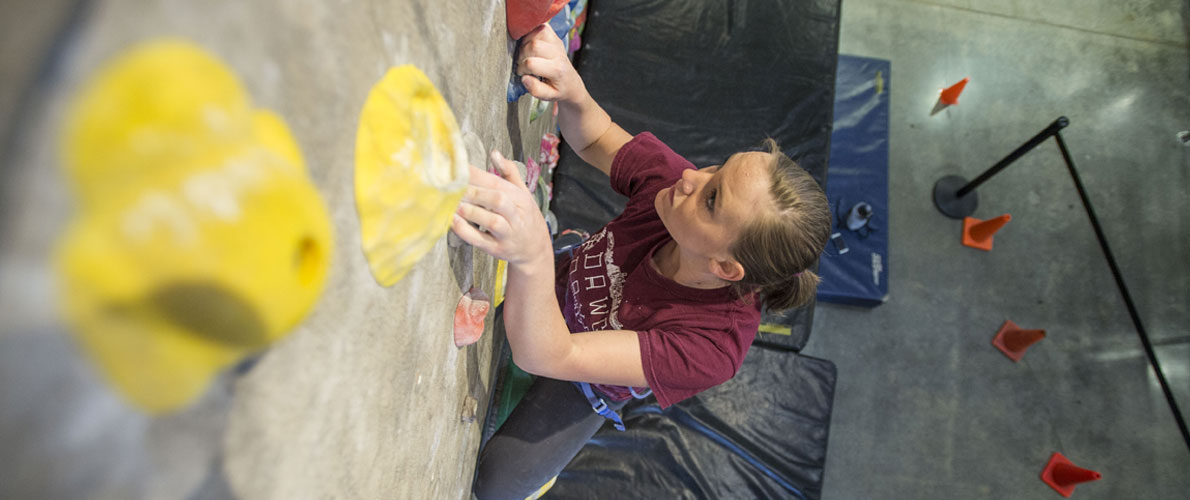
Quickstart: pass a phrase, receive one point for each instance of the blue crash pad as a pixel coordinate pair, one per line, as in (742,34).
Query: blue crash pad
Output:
(854,267)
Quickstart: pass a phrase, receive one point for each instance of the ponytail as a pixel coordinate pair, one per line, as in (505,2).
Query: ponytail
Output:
(797,291)
(777,251)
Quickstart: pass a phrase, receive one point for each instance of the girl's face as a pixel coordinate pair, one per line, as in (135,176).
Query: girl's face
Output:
(706,209)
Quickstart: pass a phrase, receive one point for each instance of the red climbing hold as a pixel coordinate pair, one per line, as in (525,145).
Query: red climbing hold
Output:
(469,315)
(524,15)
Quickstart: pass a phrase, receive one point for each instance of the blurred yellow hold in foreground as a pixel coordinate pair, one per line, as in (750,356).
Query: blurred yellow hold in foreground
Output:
(410,171)
(198,237)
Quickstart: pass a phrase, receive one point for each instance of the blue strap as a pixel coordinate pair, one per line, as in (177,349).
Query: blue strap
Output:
(599,405)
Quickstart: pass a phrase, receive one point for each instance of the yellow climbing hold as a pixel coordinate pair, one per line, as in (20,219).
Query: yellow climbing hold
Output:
(501,281)
(157,102)
(410,171)
(198,239)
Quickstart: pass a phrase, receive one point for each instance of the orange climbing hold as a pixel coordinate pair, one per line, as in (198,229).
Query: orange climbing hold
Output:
(1013,341)
(978,233)
(469,315)
(950,95)
(524,15)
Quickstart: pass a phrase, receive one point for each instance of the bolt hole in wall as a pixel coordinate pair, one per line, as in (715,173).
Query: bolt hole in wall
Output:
(1184,140)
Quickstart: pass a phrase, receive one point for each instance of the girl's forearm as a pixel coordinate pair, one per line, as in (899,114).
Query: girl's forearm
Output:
(536,329)
(582,121)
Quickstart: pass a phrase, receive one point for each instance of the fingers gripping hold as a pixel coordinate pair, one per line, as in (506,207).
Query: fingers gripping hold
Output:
(538,67)
(471,235)
(493,223)
(482,216)
(511,226)
(542,58)
(507,169)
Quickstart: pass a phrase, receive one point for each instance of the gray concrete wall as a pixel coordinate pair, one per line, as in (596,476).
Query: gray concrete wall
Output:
(365,399)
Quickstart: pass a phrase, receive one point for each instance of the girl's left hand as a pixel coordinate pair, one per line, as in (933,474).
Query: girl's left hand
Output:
(513,228)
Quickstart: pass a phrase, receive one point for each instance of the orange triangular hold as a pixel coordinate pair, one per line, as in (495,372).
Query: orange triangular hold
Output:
(1012,340)
(950,95)
(978,233)
(524,15)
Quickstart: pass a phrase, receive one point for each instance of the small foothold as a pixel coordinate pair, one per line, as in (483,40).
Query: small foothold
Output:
(476,151)
(469,317)
(548,158)
(470,408)
(551,221)
(533,171)
(537,109)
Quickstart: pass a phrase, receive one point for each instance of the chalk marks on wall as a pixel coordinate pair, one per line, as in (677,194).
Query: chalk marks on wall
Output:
(410,171)
(198,237)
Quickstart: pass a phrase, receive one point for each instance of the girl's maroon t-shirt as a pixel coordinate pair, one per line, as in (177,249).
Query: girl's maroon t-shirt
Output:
(690,339)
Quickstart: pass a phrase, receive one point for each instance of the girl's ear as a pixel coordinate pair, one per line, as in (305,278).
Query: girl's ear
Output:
(727,270)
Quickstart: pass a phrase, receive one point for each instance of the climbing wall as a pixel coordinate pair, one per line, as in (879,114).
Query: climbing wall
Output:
(311,317)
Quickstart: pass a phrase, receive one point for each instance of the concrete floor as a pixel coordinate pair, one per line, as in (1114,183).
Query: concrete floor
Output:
(925,407)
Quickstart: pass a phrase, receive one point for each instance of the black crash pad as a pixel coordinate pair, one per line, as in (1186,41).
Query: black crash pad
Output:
(762,434)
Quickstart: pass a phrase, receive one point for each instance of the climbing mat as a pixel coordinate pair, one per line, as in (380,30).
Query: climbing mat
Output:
(854,267)
(709,81)
(762,434)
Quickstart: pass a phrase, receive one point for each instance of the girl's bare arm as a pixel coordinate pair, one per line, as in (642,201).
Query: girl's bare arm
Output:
(548,75)
(514,230)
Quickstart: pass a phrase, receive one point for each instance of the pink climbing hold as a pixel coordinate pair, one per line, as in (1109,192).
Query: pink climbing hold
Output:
(549,152)
(472,309)
(533,171)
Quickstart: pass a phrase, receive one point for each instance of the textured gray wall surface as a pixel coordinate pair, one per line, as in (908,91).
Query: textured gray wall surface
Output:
(367,398)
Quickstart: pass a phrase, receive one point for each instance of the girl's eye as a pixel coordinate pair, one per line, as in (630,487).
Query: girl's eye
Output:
(711,200)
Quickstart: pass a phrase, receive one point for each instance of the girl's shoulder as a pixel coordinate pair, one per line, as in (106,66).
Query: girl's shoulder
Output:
(646,164)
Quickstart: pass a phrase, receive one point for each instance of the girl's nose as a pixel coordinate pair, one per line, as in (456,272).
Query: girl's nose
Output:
(690,179)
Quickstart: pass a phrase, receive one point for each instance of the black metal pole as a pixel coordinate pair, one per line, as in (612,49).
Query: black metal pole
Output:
(1115,272)
(956,198)
(1052,129)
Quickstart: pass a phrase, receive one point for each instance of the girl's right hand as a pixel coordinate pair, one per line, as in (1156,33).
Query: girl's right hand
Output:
(545,68)
(513,227)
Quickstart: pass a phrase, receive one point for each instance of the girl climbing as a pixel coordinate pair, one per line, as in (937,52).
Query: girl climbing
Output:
(666,297)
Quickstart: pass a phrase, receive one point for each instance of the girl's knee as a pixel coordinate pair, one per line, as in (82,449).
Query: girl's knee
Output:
(492,484)
(513,474)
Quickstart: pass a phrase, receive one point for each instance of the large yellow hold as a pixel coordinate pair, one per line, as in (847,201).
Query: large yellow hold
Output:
(199,238)
(410,171)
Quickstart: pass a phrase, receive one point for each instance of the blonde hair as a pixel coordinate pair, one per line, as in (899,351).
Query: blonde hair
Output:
(776,251)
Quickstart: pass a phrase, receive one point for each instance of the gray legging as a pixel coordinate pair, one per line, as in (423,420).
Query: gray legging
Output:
(545,430)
